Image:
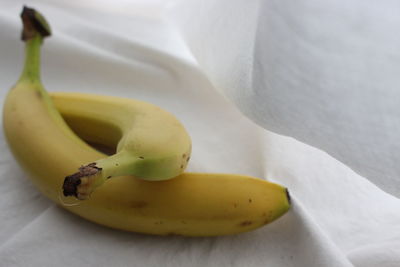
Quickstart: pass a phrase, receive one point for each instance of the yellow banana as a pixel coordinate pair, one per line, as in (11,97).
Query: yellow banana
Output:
(192,204)
(151,143)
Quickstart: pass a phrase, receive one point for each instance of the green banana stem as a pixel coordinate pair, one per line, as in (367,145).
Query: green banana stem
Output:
(31,71)
(118,164)
(95,174)
(34,31)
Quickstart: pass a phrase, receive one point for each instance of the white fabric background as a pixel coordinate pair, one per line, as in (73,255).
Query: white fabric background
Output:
(322,73)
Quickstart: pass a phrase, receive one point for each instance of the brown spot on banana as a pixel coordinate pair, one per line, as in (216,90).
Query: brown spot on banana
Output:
(245,223)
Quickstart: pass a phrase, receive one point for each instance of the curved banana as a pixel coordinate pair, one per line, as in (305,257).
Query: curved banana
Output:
(192,204)
(151,143)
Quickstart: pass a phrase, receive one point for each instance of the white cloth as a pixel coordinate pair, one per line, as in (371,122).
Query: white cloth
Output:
(295,68)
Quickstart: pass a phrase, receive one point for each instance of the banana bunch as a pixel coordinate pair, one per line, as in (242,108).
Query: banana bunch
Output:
(140,184)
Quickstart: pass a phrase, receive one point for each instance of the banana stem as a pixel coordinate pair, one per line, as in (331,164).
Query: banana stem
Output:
(34,31)
(31,71)
(121,163)
(82,183)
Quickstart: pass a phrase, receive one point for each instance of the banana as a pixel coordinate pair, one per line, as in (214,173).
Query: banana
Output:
(191,204)
(151,143)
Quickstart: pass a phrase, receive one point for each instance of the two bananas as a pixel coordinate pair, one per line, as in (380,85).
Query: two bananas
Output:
(45,133)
